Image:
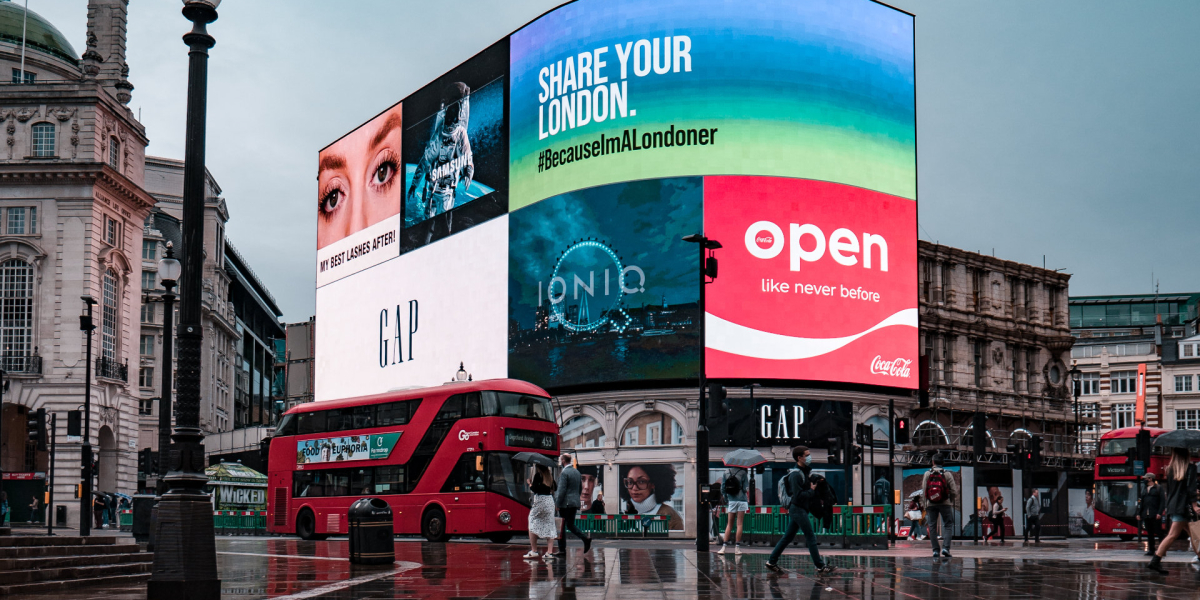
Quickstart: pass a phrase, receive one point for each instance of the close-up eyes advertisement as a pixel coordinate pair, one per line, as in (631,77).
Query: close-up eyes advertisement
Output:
(360,187)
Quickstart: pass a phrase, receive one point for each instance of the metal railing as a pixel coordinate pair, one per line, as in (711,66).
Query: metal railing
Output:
(21,364)
(997,442)
(108,368)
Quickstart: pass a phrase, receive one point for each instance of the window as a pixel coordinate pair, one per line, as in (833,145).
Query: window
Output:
(21,220)
(977,289)
(948,360)
(149,250)
(16,312)
(146,406)
(1183,383)
(1030,357)
(654,434)
(929,353)
(148,313)
(631,437)
(676,433)
(1187,418)
(114,153)
(1014,285)
(146,377)
(390,480)
(946,278)
(30,77)
(1090,410)
(582,432)
(1012,357)
(43,139)
(146,347)
(980,365)
(112,232)
(926,280)
(467,475)
(1089,384)
(1122,415)
(108,332)
(1053,293)
(149,280)
(1123,382)
(1189,350)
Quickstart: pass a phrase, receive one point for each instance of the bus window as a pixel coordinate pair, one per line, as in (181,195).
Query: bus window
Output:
(395,413)
(471,406)
(304,485)
(337,483)
(339,419)
(364,416)
(452,409)
(508,478)
(467,475)
(362,481)
(287,426)
(509,404)
(390,480)
(1117,499)
(311,422)
(1118,446)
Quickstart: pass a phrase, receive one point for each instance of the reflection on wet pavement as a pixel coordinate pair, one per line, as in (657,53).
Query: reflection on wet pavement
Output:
(290,568)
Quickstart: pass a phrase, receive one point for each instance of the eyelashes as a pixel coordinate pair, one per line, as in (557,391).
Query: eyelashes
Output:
(384,171)
(331,199)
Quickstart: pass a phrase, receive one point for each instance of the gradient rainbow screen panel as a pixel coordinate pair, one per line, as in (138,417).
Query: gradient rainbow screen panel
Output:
(604,91)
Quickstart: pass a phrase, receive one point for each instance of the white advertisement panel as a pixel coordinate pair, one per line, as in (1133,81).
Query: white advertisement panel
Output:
(410,321)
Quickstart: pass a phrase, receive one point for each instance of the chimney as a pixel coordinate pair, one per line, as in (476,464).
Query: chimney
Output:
(107,23)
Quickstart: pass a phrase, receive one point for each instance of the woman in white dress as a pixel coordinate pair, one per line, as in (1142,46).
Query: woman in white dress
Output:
(541,513)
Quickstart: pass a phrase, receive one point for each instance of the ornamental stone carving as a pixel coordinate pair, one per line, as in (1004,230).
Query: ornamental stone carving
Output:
(25,114)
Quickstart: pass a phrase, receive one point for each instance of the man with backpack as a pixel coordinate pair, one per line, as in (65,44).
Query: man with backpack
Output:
(736,505)
(940,495)
(798,493)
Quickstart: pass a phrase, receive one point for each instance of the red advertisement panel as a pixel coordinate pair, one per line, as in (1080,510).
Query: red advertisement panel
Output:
(817,281)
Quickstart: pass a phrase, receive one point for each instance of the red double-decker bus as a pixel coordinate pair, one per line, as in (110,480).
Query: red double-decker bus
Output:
(442,457)
(1116,490)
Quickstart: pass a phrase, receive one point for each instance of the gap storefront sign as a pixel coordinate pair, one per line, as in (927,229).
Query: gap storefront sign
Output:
(794,422)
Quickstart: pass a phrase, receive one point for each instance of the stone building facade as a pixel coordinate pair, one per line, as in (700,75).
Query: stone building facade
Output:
(73,196)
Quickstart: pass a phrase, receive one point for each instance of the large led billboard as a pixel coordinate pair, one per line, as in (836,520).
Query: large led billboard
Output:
(558,170)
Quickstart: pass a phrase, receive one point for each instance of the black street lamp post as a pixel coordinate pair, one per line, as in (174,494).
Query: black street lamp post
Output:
(702,484)
(168,271)
(85,452)
(185,560)
(1075,385)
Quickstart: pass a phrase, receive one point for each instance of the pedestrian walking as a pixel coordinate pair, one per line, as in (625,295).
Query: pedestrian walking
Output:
(737,503)
(798,487)
(98,509)
(3,508)
(940,497)
(570,486)
(996,516)
(1033,516)
(33,508)
(541,513)
(1149,511)
(1180,502)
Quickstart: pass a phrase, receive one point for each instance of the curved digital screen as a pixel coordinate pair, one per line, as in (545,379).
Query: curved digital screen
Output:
(607,130)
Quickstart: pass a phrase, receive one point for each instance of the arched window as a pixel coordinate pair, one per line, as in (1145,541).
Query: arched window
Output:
(582,432)
(43,139)
(880,431)
(108,333)
(16,314)
(930,433)
(114,153)
(652,429)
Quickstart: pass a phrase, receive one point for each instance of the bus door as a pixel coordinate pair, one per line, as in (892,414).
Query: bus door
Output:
(463,494)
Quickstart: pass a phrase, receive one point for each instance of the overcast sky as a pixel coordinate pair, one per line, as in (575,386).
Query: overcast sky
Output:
(1066,129)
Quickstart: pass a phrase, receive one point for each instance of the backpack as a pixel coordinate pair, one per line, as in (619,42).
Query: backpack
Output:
(935,487)
(785,488)
(823,501)
(732,486)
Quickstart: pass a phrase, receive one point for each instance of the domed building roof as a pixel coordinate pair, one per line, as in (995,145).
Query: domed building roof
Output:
(40,35)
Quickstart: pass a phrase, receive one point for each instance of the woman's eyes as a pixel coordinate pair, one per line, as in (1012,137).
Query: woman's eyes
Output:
(384,173)
(330,201)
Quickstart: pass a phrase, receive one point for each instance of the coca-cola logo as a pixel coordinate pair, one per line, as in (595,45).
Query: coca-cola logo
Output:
(892,368)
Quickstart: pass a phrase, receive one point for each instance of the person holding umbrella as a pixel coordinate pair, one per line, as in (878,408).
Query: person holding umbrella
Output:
(1181,480)
(734,487)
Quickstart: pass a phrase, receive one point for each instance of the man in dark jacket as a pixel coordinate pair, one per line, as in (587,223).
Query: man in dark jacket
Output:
(570,486)
(799,485)
(1150,509)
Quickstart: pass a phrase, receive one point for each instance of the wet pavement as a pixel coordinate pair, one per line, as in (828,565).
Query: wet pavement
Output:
(630,570)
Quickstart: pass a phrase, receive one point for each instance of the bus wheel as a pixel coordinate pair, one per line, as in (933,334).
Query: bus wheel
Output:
(306,526)
(500,537)
(433,525)
(1125,537)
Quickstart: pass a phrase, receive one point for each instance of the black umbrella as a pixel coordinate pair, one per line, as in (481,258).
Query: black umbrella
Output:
(744,458)
(535,458)
(1180,438)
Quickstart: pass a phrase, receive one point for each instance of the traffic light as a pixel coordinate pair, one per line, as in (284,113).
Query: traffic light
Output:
(979,433)
(1143,448)
(1035,452)
(75,423)
(856,455)
(902,433)
(717,407)
(35,426)
(835,451)
(710,266)
(863,434)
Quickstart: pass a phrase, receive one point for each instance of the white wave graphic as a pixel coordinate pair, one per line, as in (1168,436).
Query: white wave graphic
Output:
(741,340)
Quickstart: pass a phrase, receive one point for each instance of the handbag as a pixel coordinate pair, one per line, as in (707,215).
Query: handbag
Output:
(1194,532)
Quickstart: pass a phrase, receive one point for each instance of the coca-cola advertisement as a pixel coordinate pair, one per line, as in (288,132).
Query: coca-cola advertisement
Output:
(817,281)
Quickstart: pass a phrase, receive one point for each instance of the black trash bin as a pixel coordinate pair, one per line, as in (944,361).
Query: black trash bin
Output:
(371,532)
(143,506)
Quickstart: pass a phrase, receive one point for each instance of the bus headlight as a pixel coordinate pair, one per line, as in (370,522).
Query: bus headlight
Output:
(504,517)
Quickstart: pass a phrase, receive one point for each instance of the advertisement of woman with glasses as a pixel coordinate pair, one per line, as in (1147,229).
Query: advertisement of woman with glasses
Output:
(649,490)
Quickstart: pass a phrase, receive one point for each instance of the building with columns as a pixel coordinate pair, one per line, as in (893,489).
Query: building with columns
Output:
(73,198)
